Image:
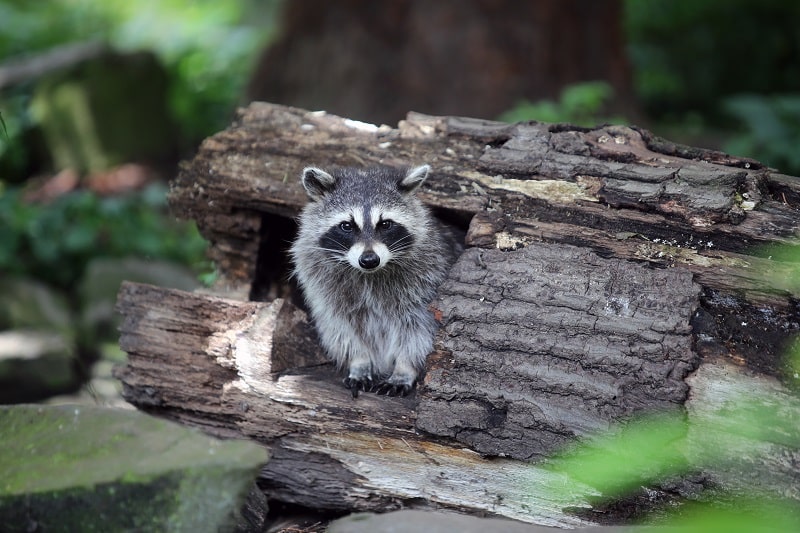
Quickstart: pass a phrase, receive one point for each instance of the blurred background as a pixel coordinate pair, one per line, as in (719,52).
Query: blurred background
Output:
(100,100)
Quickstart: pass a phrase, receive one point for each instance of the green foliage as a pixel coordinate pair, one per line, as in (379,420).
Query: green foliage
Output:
(580,104)
(15,150)
(655,449)
(693,61)
(54,242)
(771,131)
(206,46)
(689,55)
(752,516)
(34,26)
(786,276)
(621,461)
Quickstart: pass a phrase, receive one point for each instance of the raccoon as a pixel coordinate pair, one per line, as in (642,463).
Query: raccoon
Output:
(369,257)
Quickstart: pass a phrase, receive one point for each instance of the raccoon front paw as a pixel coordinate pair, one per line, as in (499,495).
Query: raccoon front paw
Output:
(396,386)
(359,377)
(356,384)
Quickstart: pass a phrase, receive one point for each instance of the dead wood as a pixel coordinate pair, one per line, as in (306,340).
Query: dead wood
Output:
(608,273)
(203,360)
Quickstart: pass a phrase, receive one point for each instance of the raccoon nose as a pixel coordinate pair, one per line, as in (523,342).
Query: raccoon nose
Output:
(369,260)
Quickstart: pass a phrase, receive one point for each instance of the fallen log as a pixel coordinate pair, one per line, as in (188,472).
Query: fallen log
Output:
(608,274)
(201,360)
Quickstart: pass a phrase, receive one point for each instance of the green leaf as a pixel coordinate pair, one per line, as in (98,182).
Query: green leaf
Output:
(580,103)
(3,123)
(619,462)
(745,517)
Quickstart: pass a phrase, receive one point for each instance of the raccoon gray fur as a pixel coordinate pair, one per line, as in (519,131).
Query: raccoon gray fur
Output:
(369,257)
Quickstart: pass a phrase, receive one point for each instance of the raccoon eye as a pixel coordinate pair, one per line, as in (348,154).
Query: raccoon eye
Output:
(346,226)
(385,224)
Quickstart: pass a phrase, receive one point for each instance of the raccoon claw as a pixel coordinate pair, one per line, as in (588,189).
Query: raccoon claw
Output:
(358,384)
(391,389)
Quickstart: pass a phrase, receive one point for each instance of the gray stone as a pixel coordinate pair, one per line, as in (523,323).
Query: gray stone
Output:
(80,468)
(29,304)
(37,349)
(443,522)
(101,281)
(35,365)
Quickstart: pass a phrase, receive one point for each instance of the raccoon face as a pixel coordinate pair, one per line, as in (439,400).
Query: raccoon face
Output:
(367,239)
(367,215)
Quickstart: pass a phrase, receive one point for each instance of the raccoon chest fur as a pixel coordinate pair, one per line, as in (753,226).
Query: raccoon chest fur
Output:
(369,257)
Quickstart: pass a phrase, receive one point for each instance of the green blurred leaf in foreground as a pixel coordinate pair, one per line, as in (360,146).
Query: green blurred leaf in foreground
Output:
(628,457)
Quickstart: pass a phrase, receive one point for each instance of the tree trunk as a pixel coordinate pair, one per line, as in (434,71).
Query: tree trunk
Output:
(608,273)
(375,61)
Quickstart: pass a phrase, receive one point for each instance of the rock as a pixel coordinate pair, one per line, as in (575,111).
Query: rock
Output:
(101,281)
(38,358)
(39,355)
(29,304)
(70,468)
(35,365)
(102,389)
(442,522)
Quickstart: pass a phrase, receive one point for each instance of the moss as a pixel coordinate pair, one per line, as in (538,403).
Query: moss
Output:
(91,469)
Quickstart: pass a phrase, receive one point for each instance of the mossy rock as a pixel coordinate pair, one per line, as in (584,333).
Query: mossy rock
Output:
(79,468)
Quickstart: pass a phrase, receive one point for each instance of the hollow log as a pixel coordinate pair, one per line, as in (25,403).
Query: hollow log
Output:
(608,273)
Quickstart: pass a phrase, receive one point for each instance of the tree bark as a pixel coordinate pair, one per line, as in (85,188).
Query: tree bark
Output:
(475,57)
(548,342)
(204,361)
(608,274)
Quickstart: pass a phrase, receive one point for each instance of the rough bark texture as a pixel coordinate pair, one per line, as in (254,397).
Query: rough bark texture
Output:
(607,273)
(550,341)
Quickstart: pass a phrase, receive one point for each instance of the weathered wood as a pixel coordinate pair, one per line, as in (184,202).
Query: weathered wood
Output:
(530,174)
(204,361)
(606,272)
(201,360)
(549,342)
(616,190)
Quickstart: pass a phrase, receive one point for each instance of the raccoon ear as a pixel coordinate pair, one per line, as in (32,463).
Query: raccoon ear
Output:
(413,179)
(317,182)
